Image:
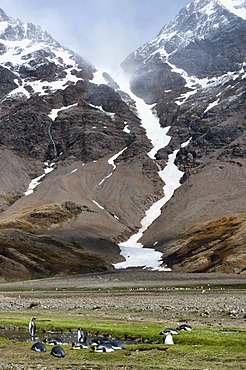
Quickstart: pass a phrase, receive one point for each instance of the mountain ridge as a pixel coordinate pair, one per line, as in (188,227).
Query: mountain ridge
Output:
(83,142)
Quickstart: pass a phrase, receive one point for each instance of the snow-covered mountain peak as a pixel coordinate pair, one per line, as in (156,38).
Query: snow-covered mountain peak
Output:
(205,41)
(198,21)
(3,16)
(12,29)
(238,7)
(201,18)
(39,63)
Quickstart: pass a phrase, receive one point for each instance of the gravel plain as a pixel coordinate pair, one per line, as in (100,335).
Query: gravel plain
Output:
(134,293)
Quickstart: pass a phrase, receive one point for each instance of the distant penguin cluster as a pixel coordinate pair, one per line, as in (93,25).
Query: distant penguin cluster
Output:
(169,332)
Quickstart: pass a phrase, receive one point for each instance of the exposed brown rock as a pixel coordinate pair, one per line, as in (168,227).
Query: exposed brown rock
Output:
(214,246)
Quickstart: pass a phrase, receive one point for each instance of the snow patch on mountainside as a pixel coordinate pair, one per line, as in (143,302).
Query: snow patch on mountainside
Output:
(49,167)
(53,114)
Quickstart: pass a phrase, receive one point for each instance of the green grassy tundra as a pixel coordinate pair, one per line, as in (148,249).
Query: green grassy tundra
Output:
(215,347)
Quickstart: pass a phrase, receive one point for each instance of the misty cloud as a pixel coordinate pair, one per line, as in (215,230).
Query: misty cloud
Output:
(102,31)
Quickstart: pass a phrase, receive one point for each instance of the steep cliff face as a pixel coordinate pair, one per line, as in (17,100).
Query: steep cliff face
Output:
(194,71)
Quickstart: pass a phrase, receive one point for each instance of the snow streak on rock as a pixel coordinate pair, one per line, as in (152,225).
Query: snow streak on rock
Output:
(147,257)
(111,162)
(36,181)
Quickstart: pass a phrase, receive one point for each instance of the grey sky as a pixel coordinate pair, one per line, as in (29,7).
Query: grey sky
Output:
(101,31)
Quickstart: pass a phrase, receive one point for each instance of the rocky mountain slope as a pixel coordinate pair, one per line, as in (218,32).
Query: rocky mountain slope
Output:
(59,130)
(76,175)
(194,71)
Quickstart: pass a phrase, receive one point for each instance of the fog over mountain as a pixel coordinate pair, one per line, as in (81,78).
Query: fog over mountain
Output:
(102,31)
(144,167)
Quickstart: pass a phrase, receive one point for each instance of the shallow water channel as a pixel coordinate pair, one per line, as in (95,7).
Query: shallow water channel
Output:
(22,335)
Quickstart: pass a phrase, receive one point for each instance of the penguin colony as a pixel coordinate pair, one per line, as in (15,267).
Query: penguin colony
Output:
(97,344)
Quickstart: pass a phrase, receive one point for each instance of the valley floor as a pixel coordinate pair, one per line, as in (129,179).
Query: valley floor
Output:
(172,297)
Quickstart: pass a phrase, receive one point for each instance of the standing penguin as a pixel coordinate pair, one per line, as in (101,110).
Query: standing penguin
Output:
(168,339)
(82,336)
(32,328)
(168,333)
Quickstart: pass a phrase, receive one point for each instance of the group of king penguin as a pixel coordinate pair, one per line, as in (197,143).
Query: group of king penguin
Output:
(97,344)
